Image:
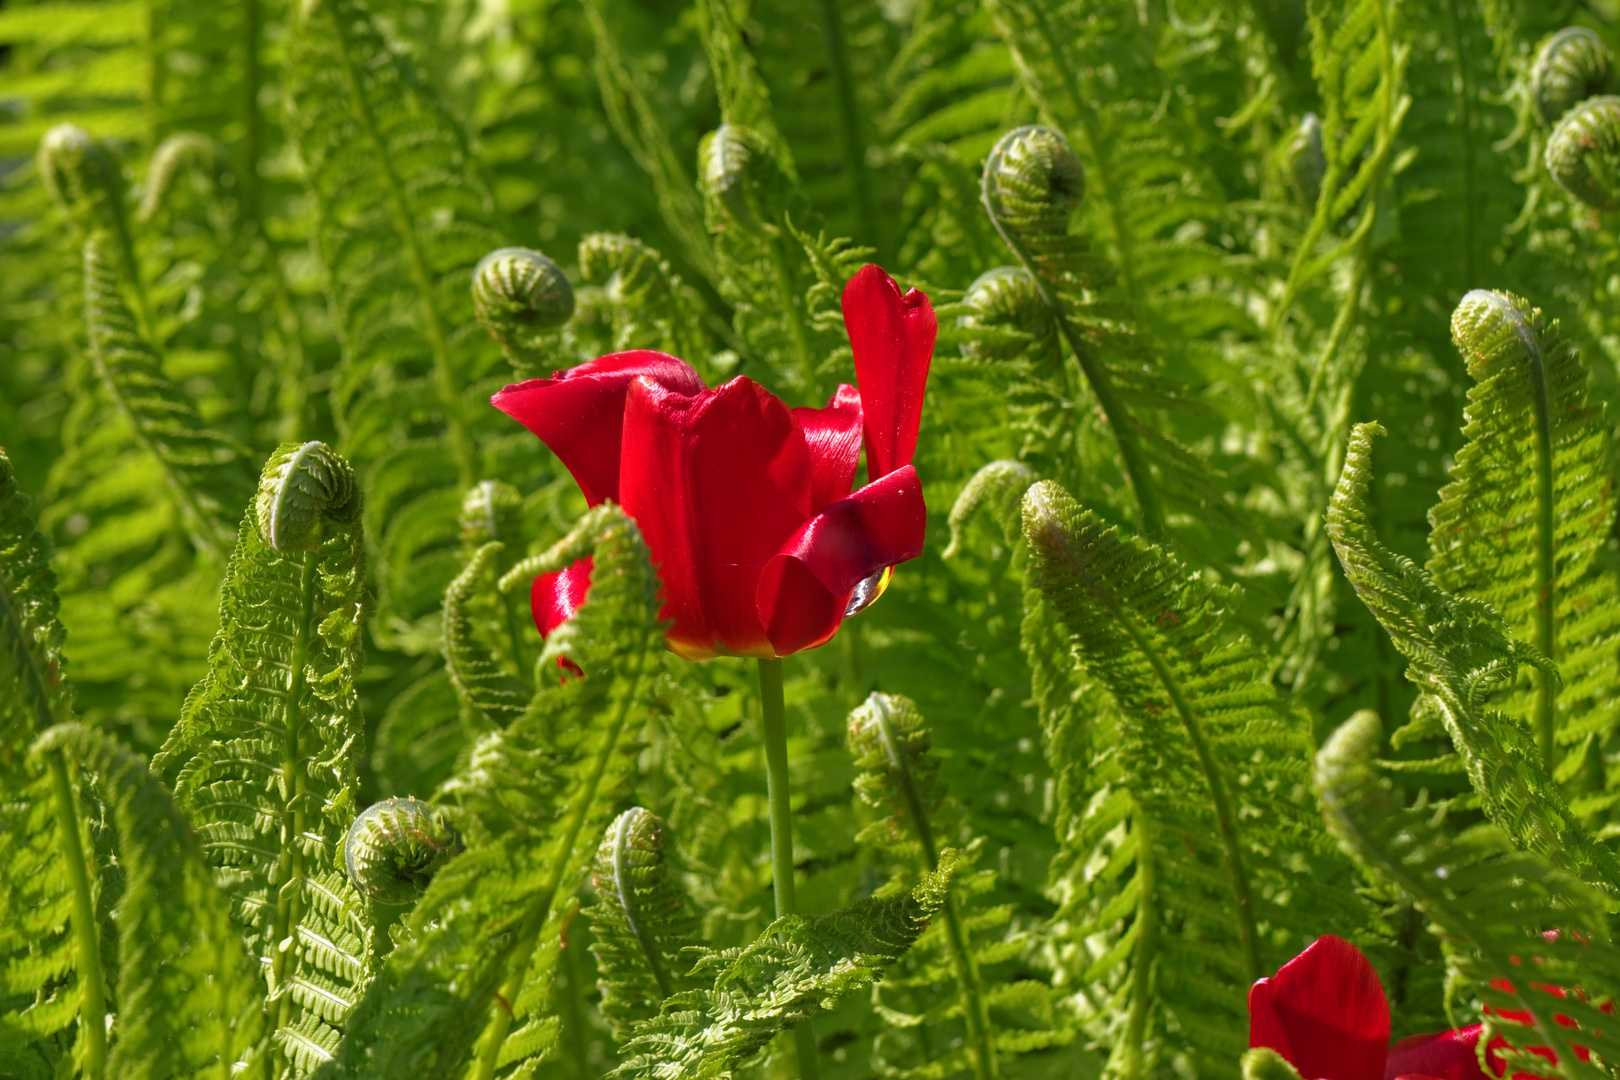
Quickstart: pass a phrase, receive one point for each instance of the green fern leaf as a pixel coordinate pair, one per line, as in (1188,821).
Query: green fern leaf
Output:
(264,758)
(480,680)
(800,966)
(1458,651)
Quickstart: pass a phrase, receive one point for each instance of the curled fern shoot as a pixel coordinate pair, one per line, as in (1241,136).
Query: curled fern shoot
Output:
(642,921)
(181,153)
(264,757)
(521,296)
(1459,651)
(394,848)
(1571,66)
(1583,152)
(799,966)
(82,177)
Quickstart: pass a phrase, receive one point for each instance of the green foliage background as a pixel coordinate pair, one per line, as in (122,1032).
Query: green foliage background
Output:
(1183,679)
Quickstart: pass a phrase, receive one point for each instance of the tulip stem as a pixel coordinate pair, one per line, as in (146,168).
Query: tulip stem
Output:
(777,794)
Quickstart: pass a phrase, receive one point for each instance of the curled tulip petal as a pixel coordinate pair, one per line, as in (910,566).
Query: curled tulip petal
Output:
(717,482)
(833,436)
(1325,1012)
(579,413)
(805,588)
(554,597)
(1445,1055)
(893,339)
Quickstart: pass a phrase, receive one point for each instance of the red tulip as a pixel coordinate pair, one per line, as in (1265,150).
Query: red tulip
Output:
(1326,1014)
(746,504)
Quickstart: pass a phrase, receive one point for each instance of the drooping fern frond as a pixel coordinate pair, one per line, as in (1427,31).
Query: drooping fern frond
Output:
(206,472)
(1459,651)
(1519,932)
(642,921)
(1521,531)
(478,961)
(264,757)
(800,966)
(189,1000)
(1210,761)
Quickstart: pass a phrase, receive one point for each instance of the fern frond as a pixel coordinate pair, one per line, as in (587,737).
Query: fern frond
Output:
(264,757)
(1500,913)
(189,1000)
(485,938)
(206,472)
(641,919)
(1521,530)
(1459,650)
(798,967)
(479,678)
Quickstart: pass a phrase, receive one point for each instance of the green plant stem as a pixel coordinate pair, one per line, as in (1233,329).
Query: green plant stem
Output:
(981,1044)
(1546,571)
(849,121)
(92,985)
(433,327)
(781,810)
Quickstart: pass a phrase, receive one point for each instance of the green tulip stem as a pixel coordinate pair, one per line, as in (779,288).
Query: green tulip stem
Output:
(778,795)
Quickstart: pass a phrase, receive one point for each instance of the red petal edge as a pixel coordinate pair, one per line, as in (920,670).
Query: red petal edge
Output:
(1325,1012)
(833,436)
(893,340)
(1445,1055)
(554,597)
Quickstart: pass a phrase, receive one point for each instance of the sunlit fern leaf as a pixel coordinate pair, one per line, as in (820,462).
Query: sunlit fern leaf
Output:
(264,757)
(478,961)
(946,983)
(478,677)
(800,966)
(1528,509)
(40,993)
(1500,913)
(1459,651)
(403,217)
(641,919)
(189,1000)
(207,473)
(1213,758)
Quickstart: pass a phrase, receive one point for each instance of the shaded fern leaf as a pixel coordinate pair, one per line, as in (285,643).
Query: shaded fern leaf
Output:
(641,919)
(264,757)
(1210,762)
(799,966)
(480,680)
(941,998)
(480,948)
(206,472)
(189,1000)
(1522,531)
(1459,651)
(1500,913)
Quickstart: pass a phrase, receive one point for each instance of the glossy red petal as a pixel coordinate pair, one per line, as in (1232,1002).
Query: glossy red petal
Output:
(893,339)
(554,597)
(1325,1012)
(579,413)
(805,589)
(1445,1055)
(717,482)
(833,436)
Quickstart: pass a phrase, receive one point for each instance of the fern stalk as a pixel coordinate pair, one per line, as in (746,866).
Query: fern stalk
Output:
(849,120)
(1546,641)
(974,1010)
(779,797)
(461,449)
(501,1021)
(1147,923)
(92,983)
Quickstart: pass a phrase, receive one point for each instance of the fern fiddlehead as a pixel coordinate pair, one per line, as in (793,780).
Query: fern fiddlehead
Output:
(394,848)
(521,296)
(1571,66)
(1032,183)
(1583,152)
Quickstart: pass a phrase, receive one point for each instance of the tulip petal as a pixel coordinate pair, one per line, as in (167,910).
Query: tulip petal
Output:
(893,339)
(833,436)
(579,413)
(554,597)
(805,589)
(1445,1055)
(717,482)
(1325,1012)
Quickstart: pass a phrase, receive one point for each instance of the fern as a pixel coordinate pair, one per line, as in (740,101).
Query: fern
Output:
(263,759)
(541,790)
(641,919)
(1458,651)
(799,966)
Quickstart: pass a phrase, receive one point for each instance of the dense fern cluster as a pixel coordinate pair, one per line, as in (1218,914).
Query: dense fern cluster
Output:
(1186,676)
